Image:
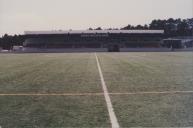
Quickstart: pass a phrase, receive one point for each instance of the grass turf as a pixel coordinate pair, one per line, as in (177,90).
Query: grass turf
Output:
(78,73)
(133,72)
(48,73)
(53,111)
(154,110)
(150,72)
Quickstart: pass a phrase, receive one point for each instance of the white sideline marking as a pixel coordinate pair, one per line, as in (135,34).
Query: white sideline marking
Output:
(93,94)
(113,118)
(141,93)
(51,94)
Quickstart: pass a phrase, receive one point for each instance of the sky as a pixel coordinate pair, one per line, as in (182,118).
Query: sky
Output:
(17,16)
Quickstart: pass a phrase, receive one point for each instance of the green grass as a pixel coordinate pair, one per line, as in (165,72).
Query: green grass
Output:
(133,72)
(53,111)
(43,73)
(154,110)
(78,73)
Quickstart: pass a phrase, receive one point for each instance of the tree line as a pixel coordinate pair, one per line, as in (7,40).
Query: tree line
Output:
(172,27)
(8,41)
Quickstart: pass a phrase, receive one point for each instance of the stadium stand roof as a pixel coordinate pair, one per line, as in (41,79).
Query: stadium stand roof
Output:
(95,31)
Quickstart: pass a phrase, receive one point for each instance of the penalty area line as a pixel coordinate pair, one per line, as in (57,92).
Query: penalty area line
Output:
(113,118)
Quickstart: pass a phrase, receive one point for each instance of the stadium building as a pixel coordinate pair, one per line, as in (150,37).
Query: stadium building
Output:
(178,42)
(92,40)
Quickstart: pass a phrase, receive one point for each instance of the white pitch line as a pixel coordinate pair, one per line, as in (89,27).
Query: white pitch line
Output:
(94,94)
(51,94)
(141,93)
(113,118)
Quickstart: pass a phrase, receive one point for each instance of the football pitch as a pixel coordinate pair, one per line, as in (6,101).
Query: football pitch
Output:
(53,90)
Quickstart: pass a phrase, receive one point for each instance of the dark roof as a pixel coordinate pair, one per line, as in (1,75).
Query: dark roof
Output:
(95,31)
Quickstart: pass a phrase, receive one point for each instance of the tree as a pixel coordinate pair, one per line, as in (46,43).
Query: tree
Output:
(146,27)
(90,28)
(157,24)
(182,28)
(139,27)
(128,27)
(8,41)
(99,28)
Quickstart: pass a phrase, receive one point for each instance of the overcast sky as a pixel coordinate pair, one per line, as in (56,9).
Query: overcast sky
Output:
(17,16)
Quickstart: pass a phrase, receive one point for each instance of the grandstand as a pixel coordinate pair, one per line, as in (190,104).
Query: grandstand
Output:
(92,40)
